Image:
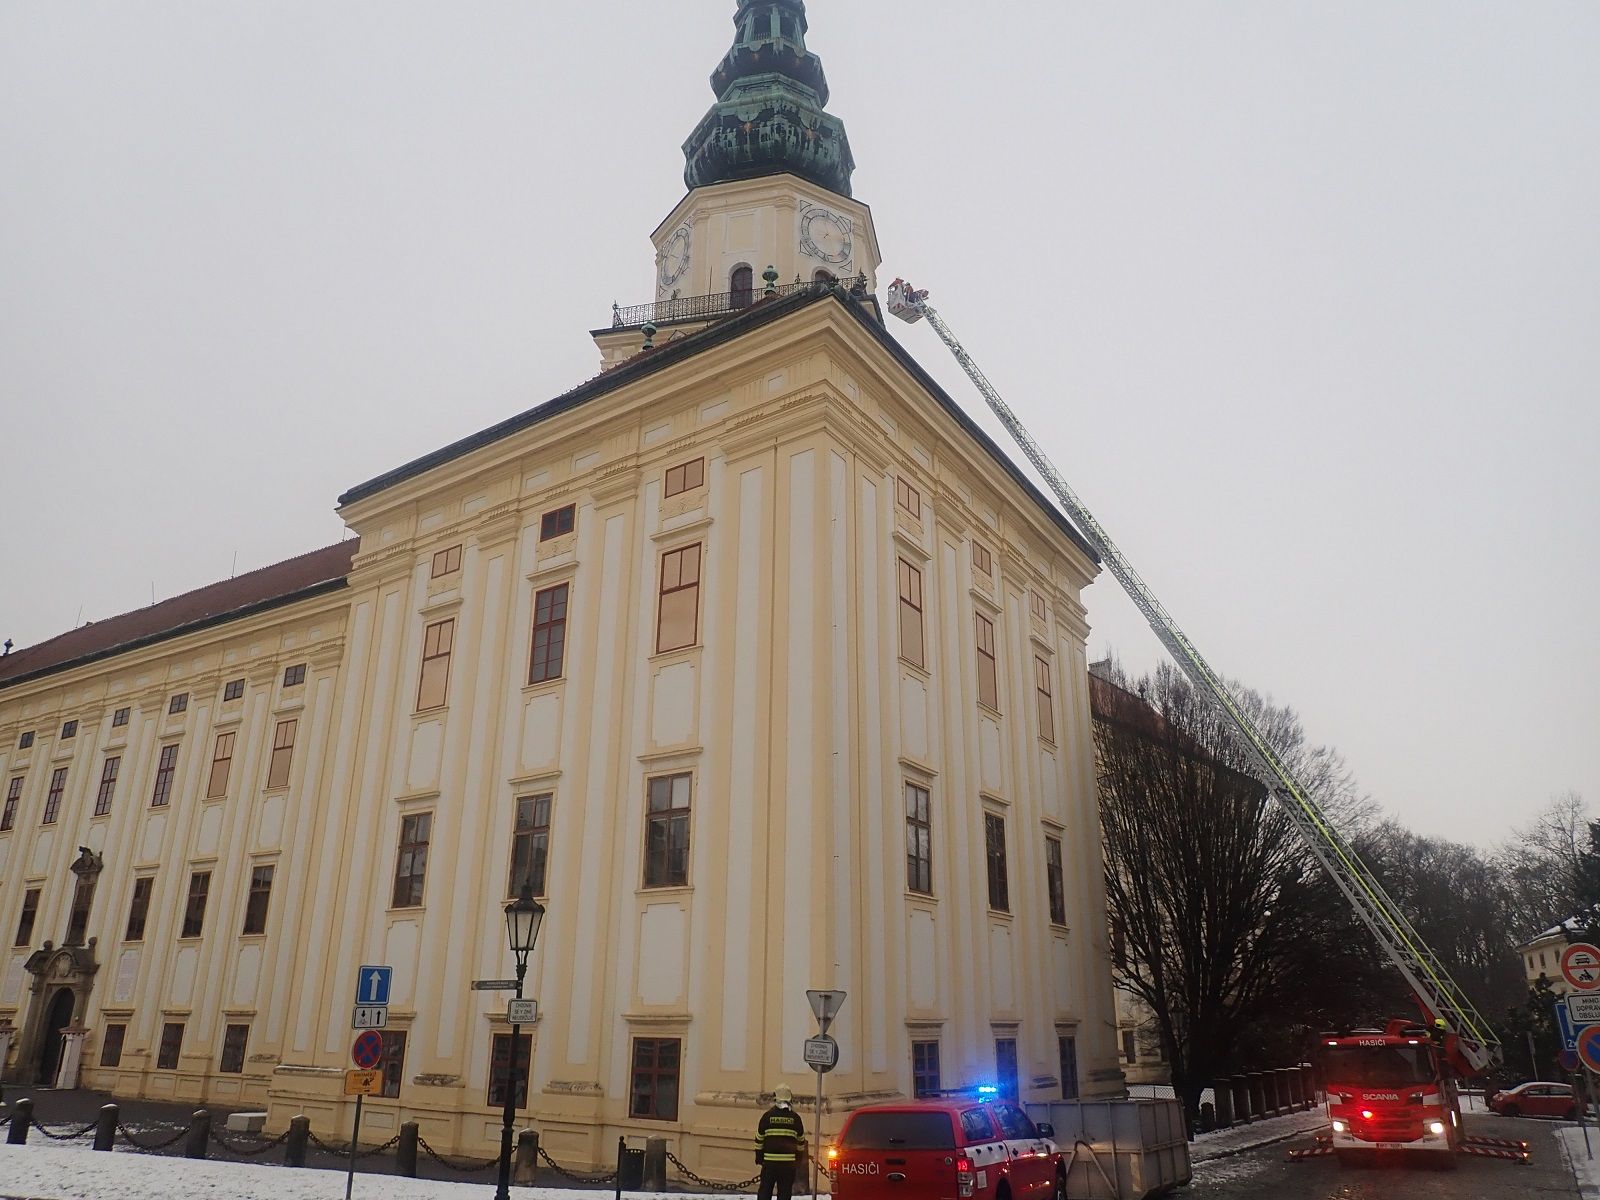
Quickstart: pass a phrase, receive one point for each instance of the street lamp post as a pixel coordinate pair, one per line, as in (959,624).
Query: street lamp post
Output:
(523,917)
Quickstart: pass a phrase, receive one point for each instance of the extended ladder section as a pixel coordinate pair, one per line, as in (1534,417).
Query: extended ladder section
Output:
(1475,1043)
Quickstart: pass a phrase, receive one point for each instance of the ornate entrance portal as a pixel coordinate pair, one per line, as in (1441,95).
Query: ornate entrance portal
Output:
(62,979)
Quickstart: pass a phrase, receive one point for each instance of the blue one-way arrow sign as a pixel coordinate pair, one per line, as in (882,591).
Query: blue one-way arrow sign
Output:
(372,986)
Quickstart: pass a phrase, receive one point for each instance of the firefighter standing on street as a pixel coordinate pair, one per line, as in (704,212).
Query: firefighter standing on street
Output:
(779,1139)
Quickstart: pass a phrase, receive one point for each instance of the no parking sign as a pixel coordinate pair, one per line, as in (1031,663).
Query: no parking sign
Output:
(1589,1047)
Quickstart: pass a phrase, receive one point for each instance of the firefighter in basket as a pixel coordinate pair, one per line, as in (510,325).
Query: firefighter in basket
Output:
(780,1137)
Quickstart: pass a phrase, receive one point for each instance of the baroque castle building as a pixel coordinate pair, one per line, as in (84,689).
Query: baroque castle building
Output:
(754,656)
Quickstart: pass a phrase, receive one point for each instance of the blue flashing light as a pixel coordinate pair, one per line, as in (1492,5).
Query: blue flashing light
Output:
(987,1089)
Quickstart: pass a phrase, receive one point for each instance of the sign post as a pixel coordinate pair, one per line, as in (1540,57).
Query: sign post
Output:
(371,1014)
(821,1055)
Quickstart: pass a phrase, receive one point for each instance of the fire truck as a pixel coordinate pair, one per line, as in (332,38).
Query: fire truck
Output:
(1375,1075)
(1391,1089)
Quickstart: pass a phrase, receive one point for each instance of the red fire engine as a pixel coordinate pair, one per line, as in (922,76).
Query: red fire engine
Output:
(1390,1089)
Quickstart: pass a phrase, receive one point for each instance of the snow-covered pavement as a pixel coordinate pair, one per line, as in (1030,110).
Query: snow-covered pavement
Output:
(1225,1143)
(47,1173)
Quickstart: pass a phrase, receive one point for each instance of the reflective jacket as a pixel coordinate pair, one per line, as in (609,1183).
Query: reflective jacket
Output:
(780,1135)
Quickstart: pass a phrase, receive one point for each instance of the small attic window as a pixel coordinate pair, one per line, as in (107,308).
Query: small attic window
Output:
(742,286)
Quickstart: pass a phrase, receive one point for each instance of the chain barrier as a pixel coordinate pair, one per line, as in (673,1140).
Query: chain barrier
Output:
(343,1149)
(576,1176)
(150,1147)
(477,1164)
(5,1120)
(744,1186)
(232,1148)
(66,1137)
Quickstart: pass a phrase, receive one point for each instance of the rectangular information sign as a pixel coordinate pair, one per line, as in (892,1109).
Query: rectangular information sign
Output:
(522,1012)
(369,1018)
(1583,1008)
(363,1083)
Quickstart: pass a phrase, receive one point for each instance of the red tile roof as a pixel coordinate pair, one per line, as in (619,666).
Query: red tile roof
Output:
(254,591)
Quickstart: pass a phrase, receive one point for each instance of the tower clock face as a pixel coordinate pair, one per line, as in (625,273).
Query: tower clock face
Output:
(826,235)
(675,257)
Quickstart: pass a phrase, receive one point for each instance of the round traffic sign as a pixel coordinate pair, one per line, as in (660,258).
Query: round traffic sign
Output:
(368,1050)
(1580,966)
(1589,1047)
(1568,1059)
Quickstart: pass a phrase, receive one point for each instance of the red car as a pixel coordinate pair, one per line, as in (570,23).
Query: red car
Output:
(1535,1100)
(945,1149)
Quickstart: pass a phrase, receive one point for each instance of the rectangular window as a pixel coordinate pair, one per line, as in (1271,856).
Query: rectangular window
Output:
(139,909)
(654,1092)
(500,1069)
(282,754)
(678,622)
(394,1062)
(111,1048)
(232,690)
(294,676)
(1055,881)
(988,685)
(108,784)
(908,498)
(666,833)
(69,730)
(30,913)
(178,704)
(558,522)
(549,634)
(910,614)
(994,843)
(171,1044)
(434,684)
(166,768)
(1005,1067)
(52,800)
(234,1038)
(1130,1050)
(1067,1047)
(685,478)
(446,562)
(221,764)
(1036,600)
(1044,693)
(411,864)
(255,906)
(78,918)
(924,1069)
(194,908)
(919,840)
(8,815)
(530,845)
(982,560)
(120,717)
(25,740)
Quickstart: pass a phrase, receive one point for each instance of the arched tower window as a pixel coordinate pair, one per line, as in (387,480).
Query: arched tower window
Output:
(742,285)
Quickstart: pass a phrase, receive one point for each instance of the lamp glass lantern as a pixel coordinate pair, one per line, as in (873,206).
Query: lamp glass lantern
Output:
(524,915)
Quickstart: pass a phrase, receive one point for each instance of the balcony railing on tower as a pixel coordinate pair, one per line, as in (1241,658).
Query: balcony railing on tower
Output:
(695,308)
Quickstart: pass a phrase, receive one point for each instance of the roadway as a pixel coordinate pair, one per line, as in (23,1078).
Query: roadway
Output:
(1265,1174)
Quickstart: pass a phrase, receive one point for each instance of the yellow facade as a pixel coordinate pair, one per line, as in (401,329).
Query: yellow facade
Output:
(814,471)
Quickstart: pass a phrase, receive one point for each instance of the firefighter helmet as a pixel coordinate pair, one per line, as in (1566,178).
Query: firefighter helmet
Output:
(782,1095)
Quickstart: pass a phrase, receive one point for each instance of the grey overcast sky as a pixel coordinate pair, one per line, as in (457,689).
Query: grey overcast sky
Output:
(1302,298)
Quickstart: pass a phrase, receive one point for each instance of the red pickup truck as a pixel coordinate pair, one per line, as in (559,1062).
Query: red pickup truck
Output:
(945,1149)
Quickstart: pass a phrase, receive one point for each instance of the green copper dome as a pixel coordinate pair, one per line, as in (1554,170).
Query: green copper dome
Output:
(769,118)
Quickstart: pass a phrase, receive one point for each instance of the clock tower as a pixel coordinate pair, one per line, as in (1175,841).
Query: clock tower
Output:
(768,170)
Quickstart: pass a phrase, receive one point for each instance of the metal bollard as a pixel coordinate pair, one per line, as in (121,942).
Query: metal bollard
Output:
(294,1147)
(194,1144)
(105,1127)
(525,1170)
(405,1154)
(21,1118)
(655,1164)
(1241,1099)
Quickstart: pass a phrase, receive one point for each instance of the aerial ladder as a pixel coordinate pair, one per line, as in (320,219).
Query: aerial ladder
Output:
(1473,1043)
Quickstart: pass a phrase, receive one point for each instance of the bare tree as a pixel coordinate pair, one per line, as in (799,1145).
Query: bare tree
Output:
(1223,922)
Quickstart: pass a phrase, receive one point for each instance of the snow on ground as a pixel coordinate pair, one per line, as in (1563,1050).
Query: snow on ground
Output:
(1585,1170)
(46,1173)
(1224,1143)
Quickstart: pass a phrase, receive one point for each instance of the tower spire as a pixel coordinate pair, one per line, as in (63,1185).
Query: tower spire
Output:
(769,115)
